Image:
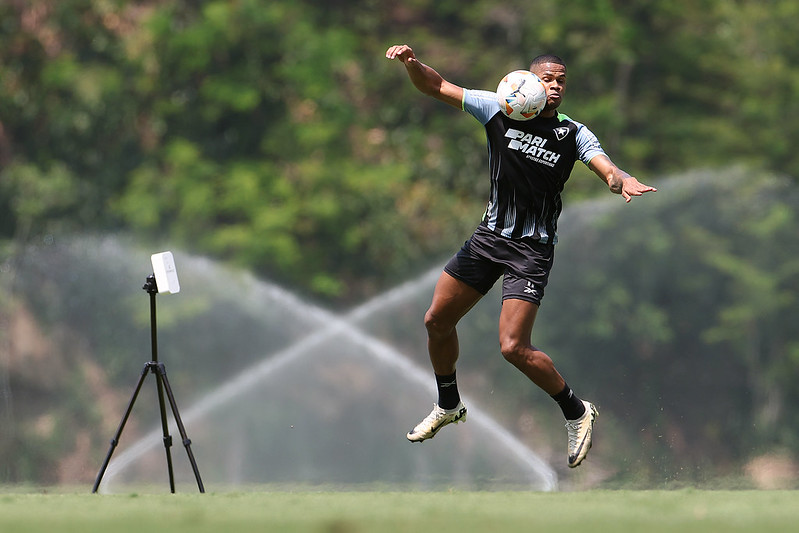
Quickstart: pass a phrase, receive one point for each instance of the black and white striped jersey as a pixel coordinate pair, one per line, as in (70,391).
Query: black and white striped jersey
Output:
(529,163)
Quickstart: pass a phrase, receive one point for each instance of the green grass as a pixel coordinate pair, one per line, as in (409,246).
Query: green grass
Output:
(592,511)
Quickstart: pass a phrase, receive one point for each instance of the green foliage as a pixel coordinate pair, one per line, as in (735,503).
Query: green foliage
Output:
(43,200)
(275,134)
(686,316)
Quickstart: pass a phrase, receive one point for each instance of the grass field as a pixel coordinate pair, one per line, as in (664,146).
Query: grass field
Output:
(591,511)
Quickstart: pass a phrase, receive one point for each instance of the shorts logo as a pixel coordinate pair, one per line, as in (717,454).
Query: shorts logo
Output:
(529,289)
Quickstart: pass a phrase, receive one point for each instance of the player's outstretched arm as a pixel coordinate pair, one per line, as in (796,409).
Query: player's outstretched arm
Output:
(619,181)
(425,78)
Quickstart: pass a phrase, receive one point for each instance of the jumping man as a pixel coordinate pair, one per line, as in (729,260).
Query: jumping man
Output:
(515,239)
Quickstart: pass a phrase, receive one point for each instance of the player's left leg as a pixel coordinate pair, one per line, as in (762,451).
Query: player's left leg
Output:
(515,330)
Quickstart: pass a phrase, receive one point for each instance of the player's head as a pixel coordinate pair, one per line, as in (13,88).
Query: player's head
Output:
(552,71)
(543,59)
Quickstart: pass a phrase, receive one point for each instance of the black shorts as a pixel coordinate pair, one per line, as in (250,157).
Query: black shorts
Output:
(486,256)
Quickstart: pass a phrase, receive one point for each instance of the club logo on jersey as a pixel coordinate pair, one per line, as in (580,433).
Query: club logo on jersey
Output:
(561,133)
(532,146)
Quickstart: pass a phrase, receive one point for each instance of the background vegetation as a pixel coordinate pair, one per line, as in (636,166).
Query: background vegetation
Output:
(275,135)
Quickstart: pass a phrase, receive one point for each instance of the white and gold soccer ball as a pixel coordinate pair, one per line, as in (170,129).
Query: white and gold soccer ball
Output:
(521,95)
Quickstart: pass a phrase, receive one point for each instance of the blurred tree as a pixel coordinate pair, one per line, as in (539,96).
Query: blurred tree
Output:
(276,135)
(681,320)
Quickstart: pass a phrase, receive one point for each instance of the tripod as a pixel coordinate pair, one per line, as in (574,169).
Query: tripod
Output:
(162,385)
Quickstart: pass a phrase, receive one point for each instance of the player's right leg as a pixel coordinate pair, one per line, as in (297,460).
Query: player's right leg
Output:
(452,299)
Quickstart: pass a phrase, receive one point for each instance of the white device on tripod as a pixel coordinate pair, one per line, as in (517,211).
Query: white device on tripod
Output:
(163,279)
(165,272)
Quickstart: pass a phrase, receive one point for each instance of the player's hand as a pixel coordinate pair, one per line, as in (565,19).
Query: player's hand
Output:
(403,52)
(632,187)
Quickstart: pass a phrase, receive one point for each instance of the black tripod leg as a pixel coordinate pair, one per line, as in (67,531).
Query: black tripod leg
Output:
(161,377)
(118,434)
(179,422)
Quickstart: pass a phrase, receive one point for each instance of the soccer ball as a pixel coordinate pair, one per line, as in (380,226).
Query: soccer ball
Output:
(521,95)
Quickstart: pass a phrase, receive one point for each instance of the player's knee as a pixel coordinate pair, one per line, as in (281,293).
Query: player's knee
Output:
(522,355)
(512,350)
(436,327)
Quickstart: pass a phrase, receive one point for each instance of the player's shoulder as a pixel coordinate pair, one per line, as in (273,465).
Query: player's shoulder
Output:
(574,125)
(480,94)
(479,98)
(480,103)
(563,117)
(588,145)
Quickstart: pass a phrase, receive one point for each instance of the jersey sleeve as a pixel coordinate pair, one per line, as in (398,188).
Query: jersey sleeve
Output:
(482,105)
(588,146)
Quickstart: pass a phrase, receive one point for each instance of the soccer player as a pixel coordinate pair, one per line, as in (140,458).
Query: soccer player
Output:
(529,163)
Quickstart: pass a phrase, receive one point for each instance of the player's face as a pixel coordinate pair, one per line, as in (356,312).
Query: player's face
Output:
(554,77)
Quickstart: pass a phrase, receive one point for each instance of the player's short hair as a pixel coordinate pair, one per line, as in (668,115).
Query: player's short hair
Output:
(546,58)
